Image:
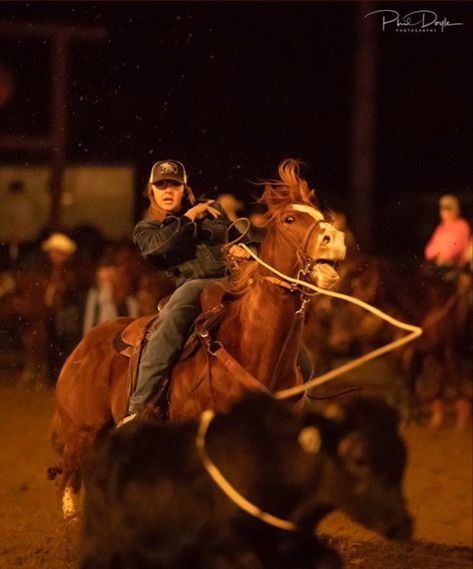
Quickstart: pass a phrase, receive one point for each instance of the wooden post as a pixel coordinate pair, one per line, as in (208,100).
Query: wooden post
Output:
(60,37)
(58,128)
(362,168)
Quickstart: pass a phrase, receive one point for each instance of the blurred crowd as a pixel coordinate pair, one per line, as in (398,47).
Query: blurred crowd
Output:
(60,286)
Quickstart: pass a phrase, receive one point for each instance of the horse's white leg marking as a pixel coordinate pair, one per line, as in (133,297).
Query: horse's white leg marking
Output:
(70,503)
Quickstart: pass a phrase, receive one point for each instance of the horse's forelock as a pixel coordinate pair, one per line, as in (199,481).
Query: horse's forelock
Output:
(289,189)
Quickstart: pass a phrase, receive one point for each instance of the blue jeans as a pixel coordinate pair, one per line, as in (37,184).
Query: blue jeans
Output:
(166,341)
(168,337)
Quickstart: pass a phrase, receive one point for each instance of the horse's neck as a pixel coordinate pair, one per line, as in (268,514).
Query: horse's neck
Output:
(256,329)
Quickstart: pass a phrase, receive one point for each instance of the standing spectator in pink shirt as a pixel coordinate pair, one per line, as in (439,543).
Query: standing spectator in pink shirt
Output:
(449,249)
(450,241)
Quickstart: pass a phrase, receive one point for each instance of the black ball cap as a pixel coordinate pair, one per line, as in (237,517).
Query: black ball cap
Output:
(168,170)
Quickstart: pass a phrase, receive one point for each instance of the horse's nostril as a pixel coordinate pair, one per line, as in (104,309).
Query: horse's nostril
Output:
(326,239)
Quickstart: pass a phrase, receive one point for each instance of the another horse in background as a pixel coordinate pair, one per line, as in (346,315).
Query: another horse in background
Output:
(260,354)
(438,367)
(424,370)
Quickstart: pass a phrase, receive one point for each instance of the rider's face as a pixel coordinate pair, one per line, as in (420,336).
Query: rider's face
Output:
(168,195)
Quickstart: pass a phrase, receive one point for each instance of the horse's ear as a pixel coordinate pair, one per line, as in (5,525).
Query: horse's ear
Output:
(313,197)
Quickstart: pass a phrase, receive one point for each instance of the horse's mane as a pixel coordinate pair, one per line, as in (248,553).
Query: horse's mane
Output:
(290,188)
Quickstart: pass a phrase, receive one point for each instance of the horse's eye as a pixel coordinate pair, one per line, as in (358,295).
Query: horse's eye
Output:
(289,219)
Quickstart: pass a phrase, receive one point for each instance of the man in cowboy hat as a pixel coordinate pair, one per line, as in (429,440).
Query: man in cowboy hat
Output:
(62,299)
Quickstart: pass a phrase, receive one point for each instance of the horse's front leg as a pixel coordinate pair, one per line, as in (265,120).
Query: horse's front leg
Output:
(70,482)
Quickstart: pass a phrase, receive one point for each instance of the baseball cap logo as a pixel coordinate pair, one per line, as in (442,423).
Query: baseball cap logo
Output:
(168,168)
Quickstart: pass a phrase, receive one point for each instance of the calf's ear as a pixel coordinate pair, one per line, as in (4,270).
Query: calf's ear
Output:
(309,439)
(334,411)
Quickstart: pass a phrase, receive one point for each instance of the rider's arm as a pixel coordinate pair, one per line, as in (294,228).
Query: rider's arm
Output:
(161,238)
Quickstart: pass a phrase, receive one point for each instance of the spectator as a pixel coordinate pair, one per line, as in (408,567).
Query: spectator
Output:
(449,243)
(62,299)
(449,249)
(108,298)
(258,222)
(231,205)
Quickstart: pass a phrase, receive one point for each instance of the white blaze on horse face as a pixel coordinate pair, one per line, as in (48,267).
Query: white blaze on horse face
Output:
(315,213)
(330,242)
(327,243)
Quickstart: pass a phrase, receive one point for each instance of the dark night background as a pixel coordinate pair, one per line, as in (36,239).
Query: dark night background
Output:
(232,88)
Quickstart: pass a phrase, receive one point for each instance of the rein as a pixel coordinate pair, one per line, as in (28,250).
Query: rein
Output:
(306,262)
(296,323)
(278,282)
(415,331)
(220,480)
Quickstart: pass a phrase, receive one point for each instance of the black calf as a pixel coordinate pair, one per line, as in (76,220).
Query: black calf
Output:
(151,504)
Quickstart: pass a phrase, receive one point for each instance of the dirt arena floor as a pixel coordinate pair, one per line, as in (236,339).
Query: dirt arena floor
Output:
(33,536)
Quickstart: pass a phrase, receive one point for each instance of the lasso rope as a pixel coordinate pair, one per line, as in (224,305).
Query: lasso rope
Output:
(219,479)
(415,332)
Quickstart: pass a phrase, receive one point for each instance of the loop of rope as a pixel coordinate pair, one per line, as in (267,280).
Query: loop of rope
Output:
(247,506)
(241,234)
(415,332)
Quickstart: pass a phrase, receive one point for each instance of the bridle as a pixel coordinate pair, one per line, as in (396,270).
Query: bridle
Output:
(306,262)
(414,331)
(305,295)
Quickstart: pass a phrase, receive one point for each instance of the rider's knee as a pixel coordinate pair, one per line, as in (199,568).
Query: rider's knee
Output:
(187,296)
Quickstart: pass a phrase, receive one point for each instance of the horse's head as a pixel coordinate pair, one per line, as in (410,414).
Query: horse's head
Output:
(300,239)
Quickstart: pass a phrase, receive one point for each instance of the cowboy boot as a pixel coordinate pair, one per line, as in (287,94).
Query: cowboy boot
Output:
(437,416)
(463,409)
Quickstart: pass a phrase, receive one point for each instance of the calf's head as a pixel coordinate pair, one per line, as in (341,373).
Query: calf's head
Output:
(365,475)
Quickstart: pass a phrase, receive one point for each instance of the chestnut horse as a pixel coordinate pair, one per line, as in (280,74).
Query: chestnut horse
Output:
(92,393)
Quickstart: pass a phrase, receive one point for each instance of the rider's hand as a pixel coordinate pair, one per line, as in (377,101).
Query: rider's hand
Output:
(201,210)
(238,252)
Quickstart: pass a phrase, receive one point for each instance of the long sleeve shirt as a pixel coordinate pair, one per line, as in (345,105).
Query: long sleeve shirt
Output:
(448,243)
(186,249)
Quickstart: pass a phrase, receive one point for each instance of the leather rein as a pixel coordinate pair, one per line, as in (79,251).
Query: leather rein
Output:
(216,349)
